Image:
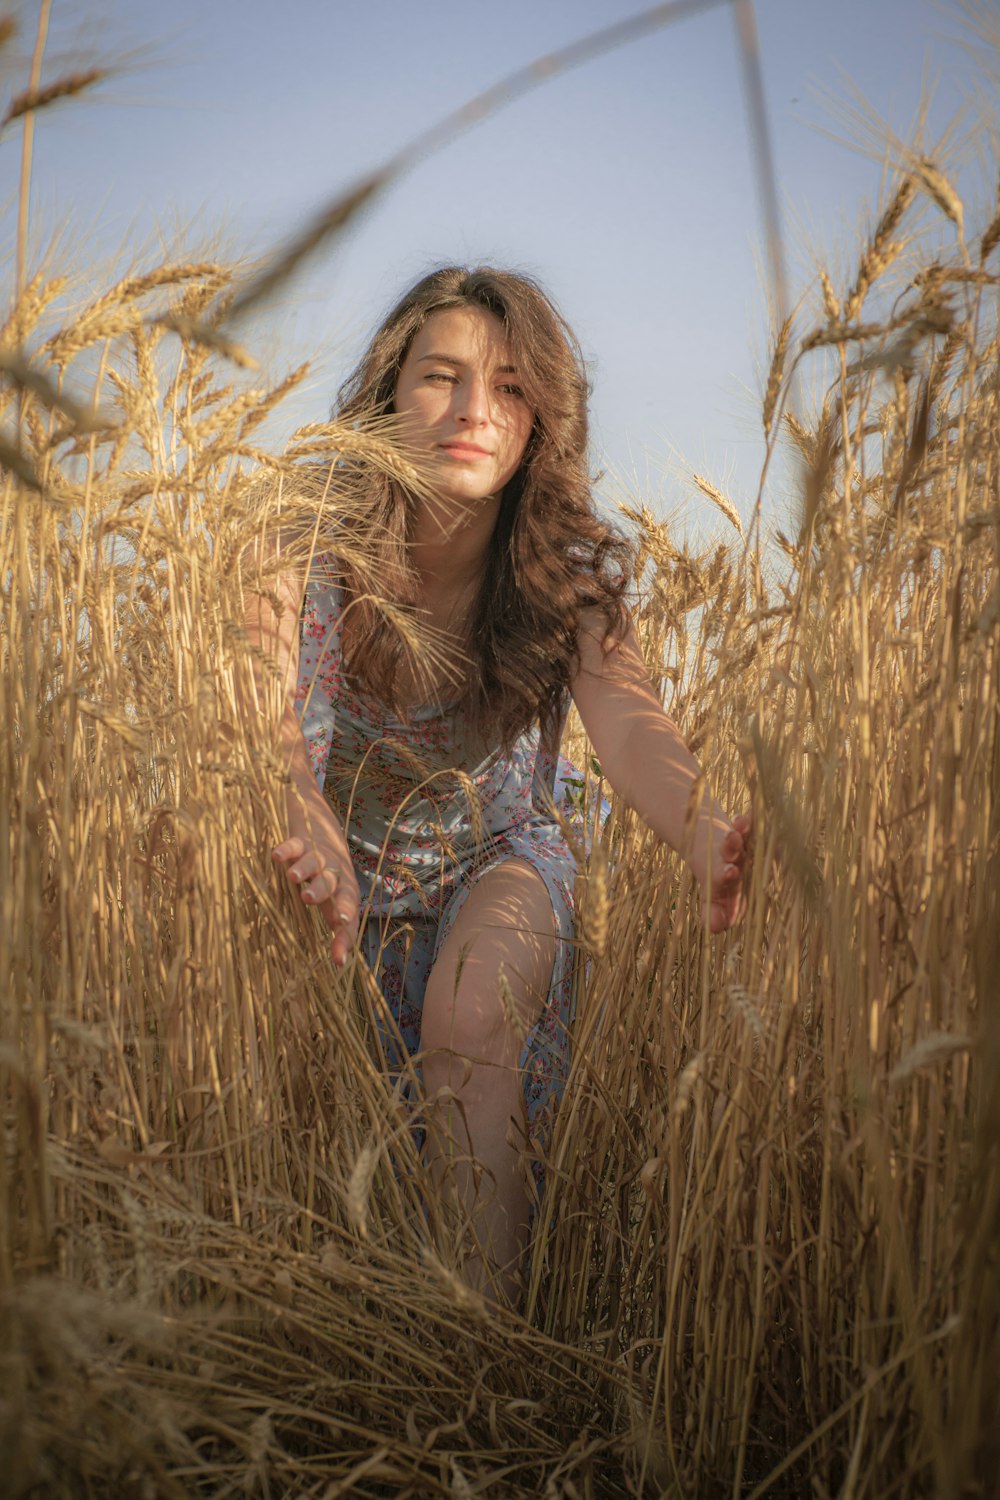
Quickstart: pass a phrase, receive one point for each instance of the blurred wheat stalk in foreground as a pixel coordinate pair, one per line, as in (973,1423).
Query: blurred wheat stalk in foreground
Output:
(766,1259)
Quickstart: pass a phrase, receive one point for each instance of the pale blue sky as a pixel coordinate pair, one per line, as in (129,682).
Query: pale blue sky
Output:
(626,186)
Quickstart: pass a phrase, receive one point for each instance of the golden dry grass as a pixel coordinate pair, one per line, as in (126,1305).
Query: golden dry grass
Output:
(766,1259)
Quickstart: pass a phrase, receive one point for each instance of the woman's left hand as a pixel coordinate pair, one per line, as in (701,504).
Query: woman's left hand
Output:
(725,898)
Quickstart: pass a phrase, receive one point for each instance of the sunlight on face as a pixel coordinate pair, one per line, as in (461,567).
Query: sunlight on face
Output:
(459,393)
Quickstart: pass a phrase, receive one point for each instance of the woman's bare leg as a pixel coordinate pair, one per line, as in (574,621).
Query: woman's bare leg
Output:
(471,1041)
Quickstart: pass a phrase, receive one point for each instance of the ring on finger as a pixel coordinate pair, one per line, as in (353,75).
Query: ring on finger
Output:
(315,887)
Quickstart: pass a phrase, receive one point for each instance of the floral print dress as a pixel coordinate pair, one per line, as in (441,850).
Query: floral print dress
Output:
(427,810)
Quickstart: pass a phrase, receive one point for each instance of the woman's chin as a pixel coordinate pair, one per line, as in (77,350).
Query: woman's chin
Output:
(453,492)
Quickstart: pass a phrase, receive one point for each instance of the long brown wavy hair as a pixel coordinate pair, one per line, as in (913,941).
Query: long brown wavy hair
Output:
(550,556)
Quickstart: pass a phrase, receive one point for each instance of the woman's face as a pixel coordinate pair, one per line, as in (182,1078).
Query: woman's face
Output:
(460,396)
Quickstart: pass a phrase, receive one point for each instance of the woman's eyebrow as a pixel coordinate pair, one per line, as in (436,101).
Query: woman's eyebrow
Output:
(450,359)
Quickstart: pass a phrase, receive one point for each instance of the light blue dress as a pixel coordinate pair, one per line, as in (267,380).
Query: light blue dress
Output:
(428,809)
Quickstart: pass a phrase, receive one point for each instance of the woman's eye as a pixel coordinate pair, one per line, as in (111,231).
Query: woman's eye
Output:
(441,375)
(510,390)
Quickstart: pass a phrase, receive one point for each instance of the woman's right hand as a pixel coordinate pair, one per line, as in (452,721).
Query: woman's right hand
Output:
(316,860)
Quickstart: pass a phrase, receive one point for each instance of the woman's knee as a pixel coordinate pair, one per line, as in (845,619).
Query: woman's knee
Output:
(464,1020)
(492,974)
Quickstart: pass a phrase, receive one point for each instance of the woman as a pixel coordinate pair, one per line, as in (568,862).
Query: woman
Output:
(420,804)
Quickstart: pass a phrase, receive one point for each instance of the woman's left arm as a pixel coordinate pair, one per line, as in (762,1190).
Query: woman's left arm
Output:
(643,756)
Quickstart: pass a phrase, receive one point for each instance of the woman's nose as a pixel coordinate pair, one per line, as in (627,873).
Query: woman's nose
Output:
(473,405)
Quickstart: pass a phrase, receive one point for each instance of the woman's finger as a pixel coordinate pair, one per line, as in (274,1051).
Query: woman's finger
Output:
(341,910)
(743,823)
(732,844)
(344,939)
(292,848)
(341,913)
(321,887)
(340,948)
(305,868)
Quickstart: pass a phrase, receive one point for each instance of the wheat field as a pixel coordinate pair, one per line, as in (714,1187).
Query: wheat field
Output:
(766,1263)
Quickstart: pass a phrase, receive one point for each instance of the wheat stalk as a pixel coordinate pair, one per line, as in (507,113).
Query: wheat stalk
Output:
(721,501)
(775,374)
(881,249)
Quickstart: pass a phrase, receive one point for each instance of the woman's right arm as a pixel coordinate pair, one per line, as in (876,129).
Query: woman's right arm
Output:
(315,855)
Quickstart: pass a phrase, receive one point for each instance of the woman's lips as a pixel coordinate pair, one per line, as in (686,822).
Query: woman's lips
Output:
(464,450)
